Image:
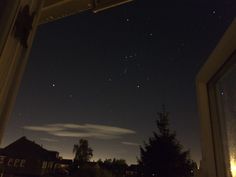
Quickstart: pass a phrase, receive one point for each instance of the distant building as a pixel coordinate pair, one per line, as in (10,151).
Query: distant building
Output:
(26,158)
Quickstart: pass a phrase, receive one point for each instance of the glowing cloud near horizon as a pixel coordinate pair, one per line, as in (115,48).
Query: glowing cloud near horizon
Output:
(82,130)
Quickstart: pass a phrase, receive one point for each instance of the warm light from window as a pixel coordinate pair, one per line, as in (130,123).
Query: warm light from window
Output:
(233,167)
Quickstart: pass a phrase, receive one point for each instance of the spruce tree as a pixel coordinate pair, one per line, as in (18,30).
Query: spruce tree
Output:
(163,155)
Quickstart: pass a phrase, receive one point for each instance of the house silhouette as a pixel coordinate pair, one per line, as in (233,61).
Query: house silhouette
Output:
(26,158)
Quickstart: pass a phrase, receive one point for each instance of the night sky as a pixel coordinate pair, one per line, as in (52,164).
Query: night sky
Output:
(105,76)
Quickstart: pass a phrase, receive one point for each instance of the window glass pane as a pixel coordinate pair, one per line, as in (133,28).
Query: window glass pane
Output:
(226,97)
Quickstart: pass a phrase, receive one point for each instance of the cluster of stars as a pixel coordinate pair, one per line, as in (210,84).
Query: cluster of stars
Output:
(129,65)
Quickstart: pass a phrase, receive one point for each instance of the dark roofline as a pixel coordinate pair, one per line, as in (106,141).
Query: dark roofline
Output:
(23,138)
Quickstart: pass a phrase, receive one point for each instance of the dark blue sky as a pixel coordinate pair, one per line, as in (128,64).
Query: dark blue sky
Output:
(105,76)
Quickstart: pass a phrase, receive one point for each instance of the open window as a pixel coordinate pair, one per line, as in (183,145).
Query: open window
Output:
(216,87)
(19,21)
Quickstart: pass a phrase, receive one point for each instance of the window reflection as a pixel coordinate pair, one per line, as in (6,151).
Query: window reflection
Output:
(226,97)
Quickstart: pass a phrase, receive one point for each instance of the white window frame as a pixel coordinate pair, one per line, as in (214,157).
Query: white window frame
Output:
(213,159)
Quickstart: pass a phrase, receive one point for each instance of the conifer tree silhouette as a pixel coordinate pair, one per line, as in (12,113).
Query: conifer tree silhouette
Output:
(163,155)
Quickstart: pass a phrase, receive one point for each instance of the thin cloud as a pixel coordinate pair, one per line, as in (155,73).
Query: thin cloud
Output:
(48,139)
(130,143)
(82,130)
(43,128)
(70,134)
(94,127)
(110,129)
(68,125)
(84,135)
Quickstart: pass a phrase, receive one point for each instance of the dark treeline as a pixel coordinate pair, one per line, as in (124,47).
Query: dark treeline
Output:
(161,156)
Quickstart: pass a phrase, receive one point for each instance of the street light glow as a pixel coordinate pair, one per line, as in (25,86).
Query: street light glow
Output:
(233,167)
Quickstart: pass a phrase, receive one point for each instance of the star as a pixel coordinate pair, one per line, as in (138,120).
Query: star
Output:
(222,92)
(213,12)
(127,19)
(138,86)
(53,85)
